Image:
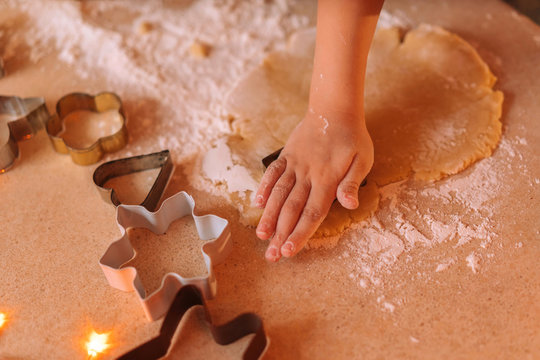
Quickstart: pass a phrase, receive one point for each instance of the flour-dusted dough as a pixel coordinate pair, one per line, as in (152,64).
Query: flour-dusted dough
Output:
(430,109)
(430,105)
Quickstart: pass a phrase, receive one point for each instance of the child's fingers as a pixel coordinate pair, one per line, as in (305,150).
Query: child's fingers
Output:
(347,192)
(288,218)
(279,193)
(272,252)
(317,207)
(270,177)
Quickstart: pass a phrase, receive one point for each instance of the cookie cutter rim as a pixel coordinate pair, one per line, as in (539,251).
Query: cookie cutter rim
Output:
(9,151)
(21,119)
(100,102)
(211,228)
(130,165)
(187,297)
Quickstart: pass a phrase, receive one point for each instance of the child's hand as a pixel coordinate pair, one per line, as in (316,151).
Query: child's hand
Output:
(327,156)
(330,151)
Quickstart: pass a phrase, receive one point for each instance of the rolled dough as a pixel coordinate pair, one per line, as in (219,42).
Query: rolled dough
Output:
(430,109)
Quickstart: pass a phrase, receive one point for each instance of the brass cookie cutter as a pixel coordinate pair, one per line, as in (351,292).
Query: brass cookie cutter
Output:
(99,103)
(20,119)
(186,298)
(115,168)
(212,228)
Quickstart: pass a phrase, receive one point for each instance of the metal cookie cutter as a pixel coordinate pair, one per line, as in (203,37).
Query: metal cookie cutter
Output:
(20,119)
(99,103)
(187,297)
(119,252)
(115,168)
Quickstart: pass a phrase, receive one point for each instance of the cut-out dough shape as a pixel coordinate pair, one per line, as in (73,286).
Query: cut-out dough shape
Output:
(430,109)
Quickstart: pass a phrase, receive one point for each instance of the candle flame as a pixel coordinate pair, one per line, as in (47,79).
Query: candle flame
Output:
(3,320)
(96,344)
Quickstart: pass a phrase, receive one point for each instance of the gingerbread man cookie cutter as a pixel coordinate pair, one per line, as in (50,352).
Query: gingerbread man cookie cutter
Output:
(186,298)
(20,119)
(211,228)
(125,166)
(98,103)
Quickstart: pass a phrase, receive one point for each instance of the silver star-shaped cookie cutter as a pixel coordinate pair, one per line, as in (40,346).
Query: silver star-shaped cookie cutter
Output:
(20,119)
(211,228)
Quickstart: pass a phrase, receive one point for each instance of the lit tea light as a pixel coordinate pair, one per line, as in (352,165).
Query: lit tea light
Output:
(3,320)
(97,343)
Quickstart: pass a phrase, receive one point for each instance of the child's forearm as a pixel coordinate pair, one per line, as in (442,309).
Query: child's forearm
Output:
(330,152)
(344,32)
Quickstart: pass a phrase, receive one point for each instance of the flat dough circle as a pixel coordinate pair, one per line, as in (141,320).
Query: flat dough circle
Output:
(430,109)
(430,106)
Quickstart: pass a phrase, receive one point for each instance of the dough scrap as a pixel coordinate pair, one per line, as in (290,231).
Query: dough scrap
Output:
(430,109)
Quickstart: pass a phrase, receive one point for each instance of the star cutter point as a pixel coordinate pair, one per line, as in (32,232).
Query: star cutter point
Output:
(211,228)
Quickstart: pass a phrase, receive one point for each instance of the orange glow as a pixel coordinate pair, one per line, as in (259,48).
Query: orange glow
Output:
(3,320)
(97,344)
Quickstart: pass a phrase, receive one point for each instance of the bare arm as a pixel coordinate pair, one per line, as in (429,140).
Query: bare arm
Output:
(330,151)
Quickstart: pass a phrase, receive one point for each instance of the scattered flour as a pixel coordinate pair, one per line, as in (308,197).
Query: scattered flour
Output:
(157,73)
(218,165)
(387,306)
(445,264)
(473,261)
(406,221)
(155,69)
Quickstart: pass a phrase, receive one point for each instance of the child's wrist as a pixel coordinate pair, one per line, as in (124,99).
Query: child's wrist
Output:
(337,107)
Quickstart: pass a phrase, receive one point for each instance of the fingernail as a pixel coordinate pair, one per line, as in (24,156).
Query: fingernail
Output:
(262,230)
(287,249)
(272,254)
(259,201)
(351,199)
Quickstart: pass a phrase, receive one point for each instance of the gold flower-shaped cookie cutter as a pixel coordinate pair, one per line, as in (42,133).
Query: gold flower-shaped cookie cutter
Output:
(99,103)
(210,228)
(20,119)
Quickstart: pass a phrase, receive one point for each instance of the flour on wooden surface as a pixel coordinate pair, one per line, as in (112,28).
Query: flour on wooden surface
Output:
(180,98)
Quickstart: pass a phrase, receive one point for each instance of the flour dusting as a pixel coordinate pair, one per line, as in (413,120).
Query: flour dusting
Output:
(152,62)
(381,244)
(154,66)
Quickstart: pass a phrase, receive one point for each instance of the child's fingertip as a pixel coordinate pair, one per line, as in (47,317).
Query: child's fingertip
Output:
(348,201)
(259,201)
(287,249)
(272,254)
